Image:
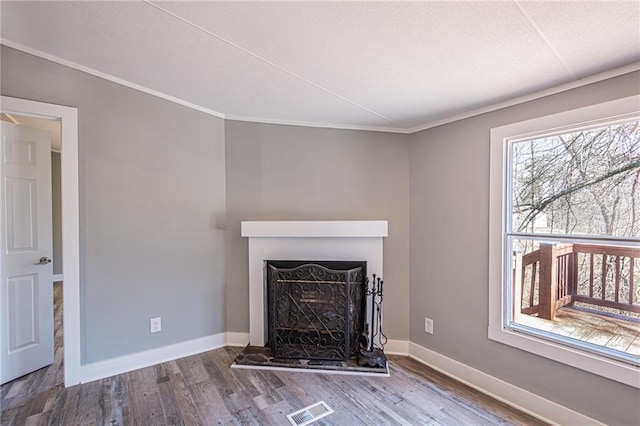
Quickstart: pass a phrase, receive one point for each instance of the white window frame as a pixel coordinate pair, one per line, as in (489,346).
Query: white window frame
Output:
(498,316)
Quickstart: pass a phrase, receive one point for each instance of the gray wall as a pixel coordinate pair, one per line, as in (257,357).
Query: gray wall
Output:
(449,257)
(56,197)
(152,186)
(298,173)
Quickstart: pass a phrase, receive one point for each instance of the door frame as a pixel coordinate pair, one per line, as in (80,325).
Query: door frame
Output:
(70,223)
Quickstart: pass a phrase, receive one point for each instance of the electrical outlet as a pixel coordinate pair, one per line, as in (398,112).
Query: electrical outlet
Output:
(428,325)
(156,324)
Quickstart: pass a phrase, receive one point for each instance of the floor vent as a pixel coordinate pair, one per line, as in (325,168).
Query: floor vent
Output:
(309,414)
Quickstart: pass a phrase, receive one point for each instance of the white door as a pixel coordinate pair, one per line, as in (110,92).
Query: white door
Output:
(26,296)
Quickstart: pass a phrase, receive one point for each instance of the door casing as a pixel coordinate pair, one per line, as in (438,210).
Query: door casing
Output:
(70,223)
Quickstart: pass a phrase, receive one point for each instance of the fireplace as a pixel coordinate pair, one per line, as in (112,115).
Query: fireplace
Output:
(315,309)
(327,240)
(310,313)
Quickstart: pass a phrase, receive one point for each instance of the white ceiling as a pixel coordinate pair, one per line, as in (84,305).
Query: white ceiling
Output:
(389,66)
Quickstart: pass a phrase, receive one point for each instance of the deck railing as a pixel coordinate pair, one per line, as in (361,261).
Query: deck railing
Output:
(557,275)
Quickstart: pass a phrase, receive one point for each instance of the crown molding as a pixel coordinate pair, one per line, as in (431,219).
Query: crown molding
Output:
(626,69)
(398,130)
(108,77)
(318,125)
(268,62)
(126,83)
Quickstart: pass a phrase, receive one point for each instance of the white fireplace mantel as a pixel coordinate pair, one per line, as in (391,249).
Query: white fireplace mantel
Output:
(316,229)
(356,240)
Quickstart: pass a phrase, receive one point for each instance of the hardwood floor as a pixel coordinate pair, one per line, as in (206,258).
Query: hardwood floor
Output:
(203,390)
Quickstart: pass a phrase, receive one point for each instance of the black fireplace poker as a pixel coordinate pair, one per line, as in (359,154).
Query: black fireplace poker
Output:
(372,354)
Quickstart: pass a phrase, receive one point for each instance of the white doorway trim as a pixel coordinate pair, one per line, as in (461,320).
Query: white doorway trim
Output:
(70,223)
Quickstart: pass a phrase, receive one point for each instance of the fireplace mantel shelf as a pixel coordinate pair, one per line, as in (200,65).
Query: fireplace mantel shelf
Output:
(315,229)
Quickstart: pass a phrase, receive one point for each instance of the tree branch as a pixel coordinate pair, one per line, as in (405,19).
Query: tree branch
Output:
(544,203)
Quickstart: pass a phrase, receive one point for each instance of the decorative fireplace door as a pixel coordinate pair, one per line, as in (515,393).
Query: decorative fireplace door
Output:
(315,309)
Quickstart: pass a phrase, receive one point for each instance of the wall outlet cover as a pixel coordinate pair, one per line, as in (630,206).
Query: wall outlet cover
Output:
(428,325)
(156,324)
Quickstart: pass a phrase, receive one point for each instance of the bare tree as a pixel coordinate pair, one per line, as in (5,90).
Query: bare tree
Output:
(573,179)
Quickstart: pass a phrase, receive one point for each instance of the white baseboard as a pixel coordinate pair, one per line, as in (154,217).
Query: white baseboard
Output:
(57,278)
(111,367)
(397,347)
(514,396)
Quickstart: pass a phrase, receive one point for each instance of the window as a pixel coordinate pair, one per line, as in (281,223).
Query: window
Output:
(565,238)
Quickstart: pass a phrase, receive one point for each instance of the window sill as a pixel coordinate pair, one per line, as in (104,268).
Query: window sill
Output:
(600,365)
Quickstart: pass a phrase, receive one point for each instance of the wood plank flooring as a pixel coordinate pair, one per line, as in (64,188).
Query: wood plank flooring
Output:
(204,390)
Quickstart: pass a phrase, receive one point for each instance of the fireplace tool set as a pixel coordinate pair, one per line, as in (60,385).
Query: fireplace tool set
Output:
(372,340)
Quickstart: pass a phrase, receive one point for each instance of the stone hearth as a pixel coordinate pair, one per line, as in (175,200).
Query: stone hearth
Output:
(261,357)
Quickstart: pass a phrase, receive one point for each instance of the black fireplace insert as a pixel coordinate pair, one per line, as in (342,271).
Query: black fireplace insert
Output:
(316,309)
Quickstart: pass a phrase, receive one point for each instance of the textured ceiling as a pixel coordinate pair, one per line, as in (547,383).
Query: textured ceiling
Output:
(395,66)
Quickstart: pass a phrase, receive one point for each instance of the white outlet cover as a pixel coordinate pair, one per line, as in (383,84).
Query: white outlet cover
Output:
(428,325)
(156,324)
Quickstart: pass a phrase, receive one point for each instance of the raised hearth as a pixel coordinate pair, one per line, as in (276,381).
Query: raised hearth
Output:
(261,358)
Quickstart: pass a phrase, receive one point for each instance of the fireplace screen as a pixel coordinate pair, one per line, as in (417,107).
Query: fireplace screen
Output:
(315,309)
